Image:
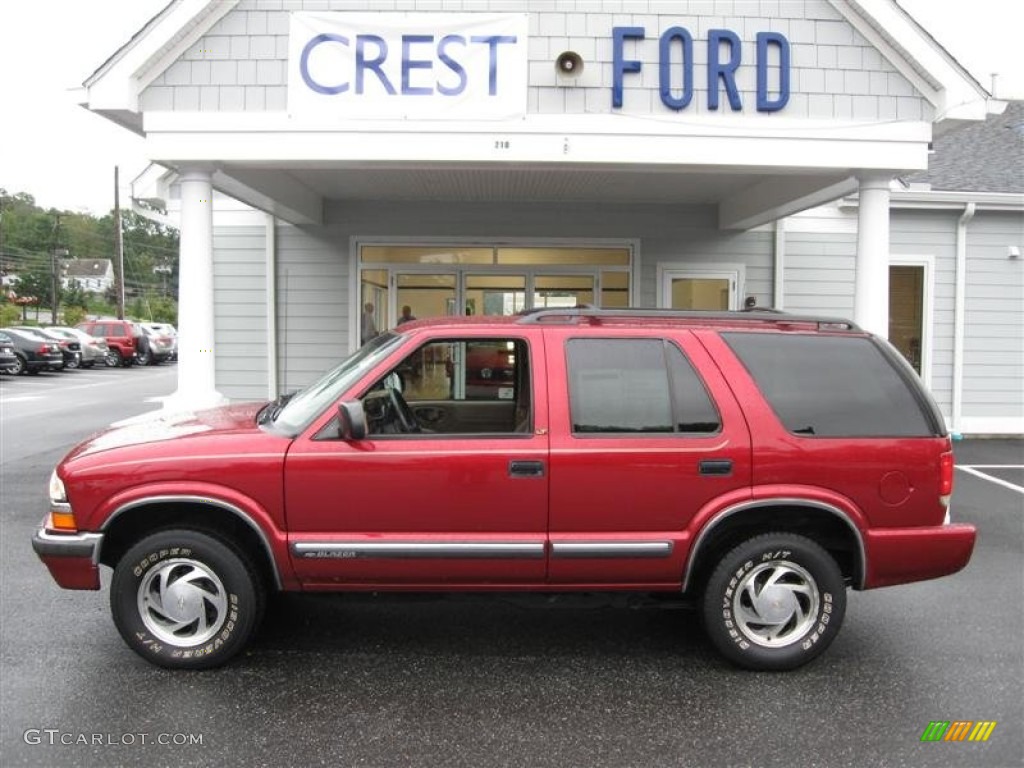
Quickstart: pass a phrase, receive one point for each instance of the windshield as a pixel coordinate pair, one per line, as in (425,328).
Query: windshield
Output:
(309,403)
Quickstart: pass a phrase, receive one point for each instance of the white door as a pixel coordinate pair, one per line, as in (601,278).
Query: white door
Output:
(707,289)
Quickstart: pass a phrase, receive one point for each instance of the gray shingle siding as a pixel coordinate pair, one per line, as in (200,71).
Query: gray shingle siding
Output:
(835,73)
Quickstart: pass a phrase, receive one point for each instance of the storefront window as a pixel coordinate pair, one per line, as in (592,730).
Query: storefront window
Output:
(404,254)
(405,282)
(563,291)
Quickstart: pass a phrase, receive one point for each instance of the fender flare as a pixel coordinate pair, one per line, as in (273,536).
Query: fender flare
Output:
(226,506)
(821,506)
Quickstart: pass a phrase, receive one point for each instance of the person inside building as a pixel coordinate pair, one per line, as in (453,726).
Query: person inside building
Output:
(368,324)
(407,315)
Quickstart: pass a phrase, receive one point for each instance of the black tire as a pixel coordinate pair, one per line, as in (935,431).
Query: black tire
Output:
(217,599)
(145,357)
(22,367)
(114,358)
(790,626)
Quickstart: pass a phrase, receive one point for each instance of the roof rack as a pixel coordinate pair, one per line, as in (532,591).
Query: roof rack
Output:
(759,315)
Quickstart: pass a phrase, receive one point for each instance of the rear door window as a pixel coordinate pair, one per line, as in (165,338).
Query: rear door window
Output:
(636,386)
(832,386)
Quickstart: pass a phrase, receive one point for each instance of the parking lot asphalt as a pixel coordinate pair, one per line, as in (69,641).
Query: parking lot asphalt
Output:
(497,680)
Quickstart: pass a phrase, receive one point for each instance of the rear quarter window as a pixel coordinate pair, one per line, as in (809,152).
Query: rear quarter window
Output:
(833,386)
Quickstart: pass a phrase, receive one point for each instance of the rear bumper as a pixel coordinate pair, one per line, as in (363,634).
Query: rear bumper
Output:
(72,558)
(903,555)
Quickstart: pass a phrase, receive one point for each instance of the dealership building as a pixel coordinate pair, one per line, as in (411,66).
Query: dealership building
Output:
(488,156)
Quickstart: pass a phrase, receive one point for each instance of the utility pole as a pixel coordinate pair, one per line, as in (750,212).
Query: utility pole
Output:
(54,272)
(118,247)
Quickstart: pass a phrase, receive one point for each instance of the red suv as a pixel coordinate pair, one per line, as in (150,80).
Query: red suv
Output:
(123,339)
(758,463)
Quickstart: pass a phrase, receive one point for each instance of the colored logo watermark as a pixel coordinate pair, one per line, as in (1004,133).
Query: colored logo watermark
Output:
(958,730)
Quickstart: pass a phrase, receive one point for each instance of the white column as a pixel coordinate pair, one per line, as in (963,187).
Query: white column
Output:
(871,288)
(196,352)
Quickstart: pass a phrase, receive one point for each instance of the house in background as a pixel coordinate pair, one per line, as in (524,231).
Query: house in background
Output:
(91,275)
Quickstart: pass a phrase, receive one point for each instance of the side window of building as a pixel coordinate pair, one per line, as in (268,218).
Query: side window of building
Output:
(464,386)
(629,386)
(831,386)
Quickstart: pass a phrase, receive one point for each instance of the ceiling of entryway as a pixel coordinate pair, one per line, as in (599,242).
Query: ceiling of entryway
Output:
(759,191)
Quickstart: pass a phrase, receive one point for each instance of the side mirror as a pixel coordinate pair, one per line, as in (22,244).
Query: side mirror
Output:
(351,421)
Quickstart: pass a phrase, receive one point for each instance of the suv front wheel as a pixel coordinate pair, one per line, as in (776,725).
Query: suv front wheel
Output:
(185,600)
(774,602)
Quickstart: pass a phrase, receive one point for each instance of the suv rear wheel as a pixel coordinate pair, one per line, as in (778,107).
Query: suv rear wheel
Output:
(774,602)
(185,600)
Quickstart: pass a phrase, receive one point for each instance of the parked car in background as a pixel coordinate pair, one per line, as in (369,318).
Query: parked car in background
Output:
(94,350)
(8,360)
(35,353)
(122,337)
(168,330)
(156,348)
(71,349)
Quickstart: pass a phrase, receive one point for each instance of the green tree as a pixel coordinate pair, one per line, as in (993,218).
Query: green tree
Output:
(28,235)
(73,315)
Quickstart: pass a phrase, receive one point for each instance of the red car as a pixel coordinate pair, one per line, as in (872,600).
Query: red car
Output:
(125,339)
(760,464)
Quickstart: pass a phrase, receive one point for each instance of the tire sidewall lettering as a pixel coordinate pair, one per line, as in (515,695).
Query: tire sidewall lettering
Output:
(239,614)
(726,626)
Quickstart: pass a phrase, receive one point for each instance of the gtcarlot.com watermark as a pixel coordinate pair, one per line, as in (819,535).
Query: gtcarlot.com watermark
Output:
(55,737)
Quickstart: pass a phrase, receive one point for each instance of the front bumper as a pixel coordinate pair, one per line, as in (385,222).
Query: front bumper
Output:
(903,555)
(72,558)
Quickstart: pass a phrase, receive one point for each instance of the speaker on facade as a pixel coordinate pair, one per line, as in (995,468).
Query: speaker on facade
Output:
(569,64)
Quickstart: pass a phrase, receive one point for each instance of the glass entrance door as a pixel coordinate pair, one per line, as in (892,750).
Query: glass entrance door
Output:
(557,291)
(420,295)
(495,294)
(421,281)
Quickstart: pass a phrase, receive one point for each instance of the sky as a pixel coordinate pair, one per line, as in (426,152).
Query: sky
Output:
(64,156)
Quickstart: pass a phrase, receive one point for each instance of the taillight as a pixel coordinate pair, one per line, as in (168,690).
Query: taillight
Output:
(945,477)
(44,349)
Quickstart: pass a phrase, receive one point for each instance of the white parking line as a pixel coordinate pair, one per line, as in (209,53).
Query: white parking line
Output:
(19,399)
(973,470)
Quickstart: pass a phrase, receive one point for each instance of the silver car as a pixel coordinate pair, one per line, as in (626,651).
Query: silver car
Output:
(165,337)
(94,350)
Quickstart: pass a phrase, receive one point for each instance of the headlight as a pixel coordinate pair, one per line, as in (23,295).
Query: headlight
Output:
(57,492)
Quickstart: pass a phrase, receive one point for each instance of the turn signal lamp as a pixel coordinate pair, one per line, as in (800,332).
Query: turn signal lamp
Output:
(61,516)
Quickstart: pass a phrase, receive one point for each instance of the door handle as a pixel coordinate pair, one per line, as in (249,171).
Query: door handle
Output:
(526,469)
(715,467)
